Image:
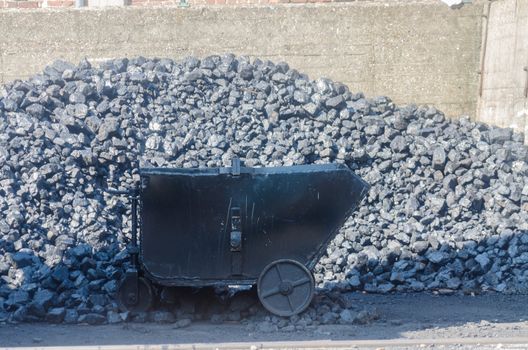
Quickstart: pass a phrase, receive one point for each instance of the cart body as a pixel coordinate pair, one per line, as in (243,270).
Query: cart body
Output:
(236,226)
(202,227)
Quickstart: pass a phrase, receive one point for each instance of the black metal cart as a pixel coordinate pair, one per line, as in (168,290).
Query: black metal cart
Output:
(236,226)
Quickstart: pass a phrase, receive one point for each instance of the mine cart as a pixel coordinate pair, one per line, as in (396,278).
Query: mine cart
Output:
(236,226)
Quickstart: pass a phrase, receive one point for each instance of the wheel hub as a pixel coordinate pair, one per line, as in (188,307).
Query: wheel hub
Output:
(135,296)
(132,298)
(286,287)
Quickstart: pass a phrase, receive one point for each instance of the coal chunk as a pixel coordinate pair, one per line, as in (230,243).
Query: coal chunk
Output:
(92,319)
(56,315)
(439,158)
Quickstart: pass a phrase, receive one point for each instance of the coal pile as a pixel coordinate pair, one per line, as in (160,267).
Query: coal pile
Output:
(447,210)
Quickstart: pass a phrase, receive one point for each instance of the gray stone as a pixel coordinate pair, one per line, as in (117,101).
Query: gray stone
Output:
(374,130)
(279,77)
(347,317)
(335,102)
(450,182)
(246,73)
(385,287)
(453,283)
(366,316)
(399,144)
(420,247)
(17,297)
(354,281)
(36,110)
(483,261)
(437,204)
(311,108)
(162,317)
(22,260)
(92,319)
(195,75)
(498,135)
(329,317)
(300,97)
(412,206)
(108,128)
(77,97)
(439,158)
(437,257)
(400,123)
(113,317)
(56,315)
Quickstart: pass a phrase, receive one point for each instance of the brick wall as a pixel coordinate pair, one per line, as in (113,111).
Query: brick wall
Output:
(33,4)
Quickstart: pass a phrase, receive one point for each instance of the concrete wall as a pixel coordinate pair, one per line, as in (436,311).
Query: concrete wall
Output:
(504,84)
(411,51)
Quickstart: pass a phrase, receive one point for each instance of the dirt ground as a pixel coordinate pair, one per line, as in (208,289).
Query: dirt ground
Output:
(407,321)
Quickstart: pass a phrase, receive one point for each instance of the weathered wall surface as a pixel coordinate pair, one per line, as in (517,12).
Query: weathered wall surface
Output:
(504,99)
(412,51)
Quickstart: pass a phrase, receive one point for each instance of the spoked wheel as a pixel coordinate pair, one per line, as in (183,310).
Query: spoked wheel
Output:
(126,296)
(285,287)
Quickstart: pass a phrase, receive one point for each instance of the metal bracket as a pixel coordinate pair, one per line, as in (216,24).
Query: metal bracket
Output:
(235,241)
(236,233)
(235,167)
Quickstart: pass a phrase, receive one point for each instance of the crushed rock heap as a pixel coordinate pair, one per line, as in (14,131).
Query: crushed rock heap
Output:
(447,209)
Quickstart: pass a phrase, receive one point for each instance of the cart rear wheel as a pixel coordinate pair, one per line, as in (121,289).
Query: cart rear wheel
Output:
(285,287)
(125,295)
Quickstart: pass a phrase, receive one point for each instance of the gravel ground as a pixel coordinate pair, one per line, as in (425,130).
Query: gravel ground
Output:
(405,319)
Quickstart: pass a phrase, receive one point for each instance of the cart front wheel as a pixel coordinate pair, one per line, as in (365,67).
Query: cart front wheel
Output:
(128,300)
(285,287)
